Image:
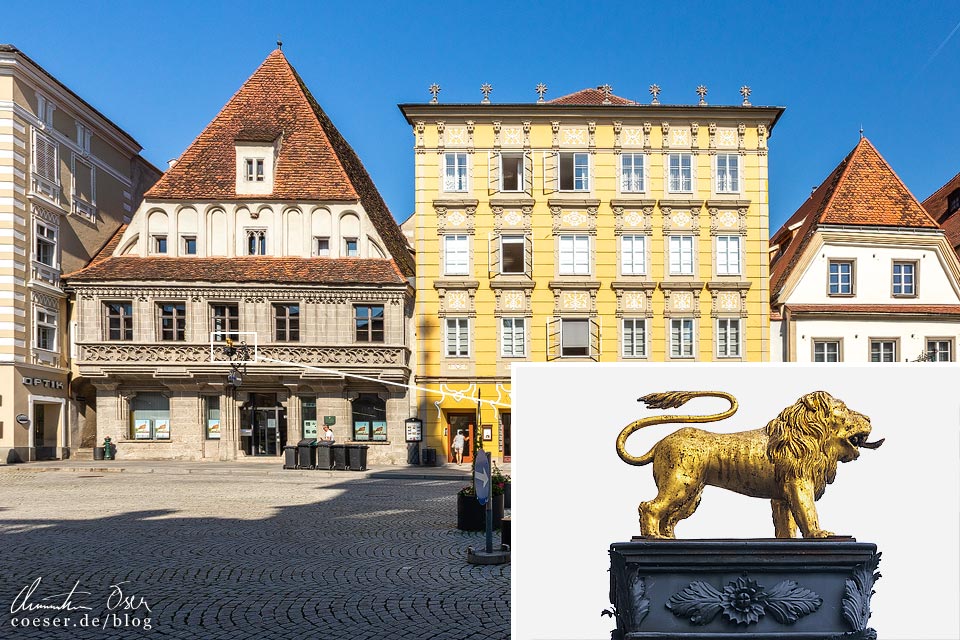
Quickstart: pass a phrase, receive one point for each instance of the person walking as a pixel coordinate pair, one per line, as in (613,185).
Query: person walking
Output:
(458,442)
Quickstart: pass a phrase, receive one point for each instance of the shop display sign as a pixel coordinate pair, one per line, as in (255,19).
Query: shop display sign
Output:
(141,430)
(248,431)
(361,430)
(414,429)
(379,430)
(161,429)
(487,433)
(213,429)
(309,428)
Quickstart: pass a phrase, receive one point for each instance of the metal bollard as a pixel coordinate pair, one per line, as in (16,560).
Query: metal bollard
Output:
(107,449)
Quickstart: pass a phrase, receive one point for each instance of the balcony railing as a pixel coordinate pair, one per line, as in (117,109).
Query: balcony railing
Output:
(178,354)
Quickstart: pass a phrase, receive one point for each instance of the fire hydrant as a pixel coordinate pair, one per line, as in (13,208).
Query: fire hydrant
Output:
(107,449)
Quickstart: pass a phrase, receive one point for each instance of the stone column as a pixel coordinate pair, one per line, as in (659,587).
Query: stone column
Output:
(229,424)
(294,416)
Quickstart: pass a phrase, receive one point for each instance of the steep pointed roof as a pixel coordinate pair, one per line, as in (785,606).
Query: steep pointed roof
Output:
(938,206)
(590,97)
(861,191)
(314,161)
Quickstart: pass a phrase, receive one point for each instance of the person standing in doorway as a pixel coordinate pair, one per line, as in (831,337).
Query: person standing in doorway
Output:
(458,441)
(327,434)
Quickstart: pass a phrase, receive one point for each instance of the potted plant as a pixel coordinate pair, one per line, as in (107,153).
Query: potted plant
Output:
(471,515)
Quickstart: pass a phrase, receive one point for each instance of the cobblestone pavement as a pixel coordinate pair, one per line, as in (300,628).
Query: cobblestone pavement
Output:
(244,556)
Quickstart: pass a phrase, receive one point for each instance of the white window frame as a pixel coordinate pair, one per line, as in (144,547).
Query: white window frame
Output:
(254,169)
(576,247)
(581,161)
(317,250)
(678,348)
(903,284)
(724,253)
(639,347)
(43,184)
(726,327)
(46,320)
(49,235)
(513,327)
(851,277)
(520,175)
(461,350)
(512,238)
(682,183)
(936,352)
(456,254)
(155,244)
(183,244)
(589,352)
(346,247)
(725,183)
(826,354)
(456,175)
(888,347)
(84,136)
(631,255)
(45,109)
(679,247)
(633,180)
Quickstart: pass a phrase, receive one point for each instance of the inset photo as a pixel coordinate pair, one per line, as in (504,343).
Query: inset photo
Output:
(754,499)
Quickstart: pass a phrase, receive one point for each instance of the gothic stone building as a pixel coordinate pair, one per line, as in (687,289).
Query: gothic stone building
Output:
(267,230)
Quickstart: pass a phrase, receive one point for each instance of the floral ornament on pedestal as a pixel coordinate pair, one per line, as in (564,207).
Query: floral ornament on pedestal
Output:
(744,601)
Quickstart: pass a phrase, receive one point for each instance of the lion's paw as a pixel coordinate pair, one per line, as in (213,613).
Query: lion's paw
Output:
(820,533)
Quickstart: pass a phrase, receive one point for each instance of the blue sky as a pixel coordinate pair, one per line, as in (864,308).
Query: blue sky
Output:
(162,70)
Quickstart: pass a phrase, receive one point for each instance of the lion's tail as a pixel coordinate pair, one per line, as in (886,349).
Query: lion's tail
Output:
(669,400)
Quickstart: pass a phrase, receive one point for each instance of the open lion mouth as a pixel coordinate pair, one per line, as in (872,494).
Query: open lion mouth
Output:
(860,440)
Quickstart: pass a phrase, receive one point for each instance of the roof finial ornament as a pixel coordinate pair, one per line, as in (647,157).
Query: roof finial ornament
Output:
(485,89)
(279,43)
(434,90)
(861,131)
(702,92)
(541,89)
(607,90)
(655,92)
(745,92)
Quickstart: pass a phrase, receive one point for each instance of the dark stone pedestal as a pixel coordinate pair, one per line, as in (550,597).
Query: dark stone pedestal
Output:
(736,589)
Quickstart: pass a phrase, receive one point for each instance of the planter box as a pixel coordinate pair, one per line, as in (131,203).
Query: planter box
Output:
(472,516)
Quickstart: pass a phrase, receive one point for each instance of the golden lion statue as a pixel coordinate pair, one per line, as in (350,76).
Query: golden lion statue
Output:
(790,461)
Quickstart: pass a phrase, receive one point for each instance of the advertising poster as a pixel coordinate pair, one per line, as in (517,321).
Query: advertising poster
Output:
(141,430)
(162,429)
(379,430)
(213,429)
(361,430)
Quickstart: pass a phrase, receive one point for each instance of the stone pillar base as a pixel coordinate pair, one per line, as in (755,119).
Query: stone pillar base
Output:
(736,589)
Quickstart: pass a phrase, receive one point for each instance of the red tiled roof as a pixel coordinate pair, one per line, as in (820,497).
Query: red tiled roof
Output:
(590,97)
(267,270)
(835,309)
(862,190)
(314,161)
(936,206)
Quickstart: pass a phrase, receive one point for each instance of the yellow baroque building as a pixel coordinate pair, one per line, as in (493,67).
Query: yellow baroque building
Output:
(586,228)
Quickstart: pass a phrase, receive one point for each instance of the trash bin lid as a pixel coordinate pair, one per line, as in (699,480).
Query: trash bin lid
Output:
(306,442)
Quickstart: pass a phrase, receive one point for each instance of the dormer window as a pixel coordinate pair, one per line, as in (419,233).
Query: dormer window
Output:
(953,201)
(159,244)
(254,169)
(351,248)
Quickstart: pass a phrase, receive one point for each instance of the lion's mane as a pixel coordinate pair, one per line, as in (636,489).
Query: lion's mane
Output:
(797,438)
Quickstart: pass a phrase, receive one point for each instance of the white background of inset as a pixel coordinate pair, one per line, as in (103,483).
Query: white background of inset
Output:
(573,496)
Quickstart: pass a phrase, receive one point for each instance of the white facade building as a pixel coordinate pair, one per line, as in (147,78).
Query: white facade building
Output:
(861,273)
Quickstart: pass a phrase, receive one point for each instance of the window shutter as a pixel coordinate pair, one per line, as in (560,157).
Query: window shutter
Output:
(666,173)
(445,185)
(596,339)
(493,255)
(528,256)
(45,158)
(493,172)
(553,339)
(693,171)
(646,172)
(550,171)
(619,164)
(528,173)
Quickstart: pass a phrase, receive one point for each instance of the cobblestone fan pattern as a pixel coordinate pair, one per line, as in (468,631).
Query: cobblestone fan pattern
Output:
(246,556)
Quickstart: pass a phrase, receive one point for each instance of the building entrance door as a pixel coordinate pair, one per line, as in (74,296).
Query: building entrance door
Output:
(465,422)
(46,419)
(262,430)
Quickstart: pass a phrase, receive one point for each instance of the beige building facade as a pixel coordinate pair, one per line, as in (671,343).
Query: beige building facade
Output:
(267,231)
(69,178)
